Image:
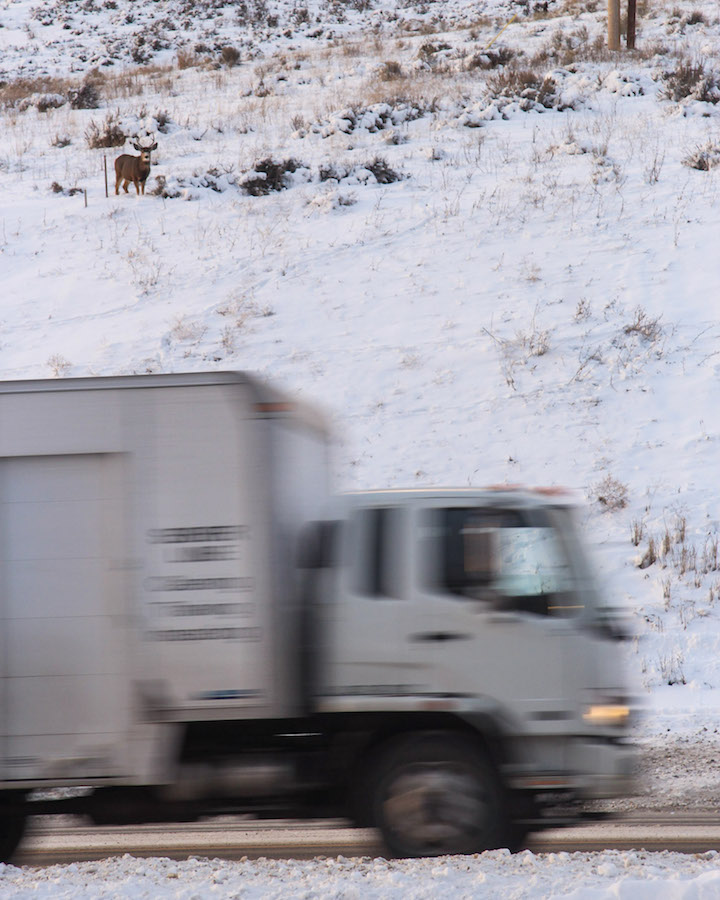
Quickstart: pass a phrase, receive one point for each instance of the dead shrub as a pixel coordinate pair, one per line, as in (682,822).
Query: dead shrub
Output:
(86,96)
(300,15)
(690,80)
(428,51)
(703,158)
(57,188)
(383,173)
(216,178)
(490,59)
(255,12)
(107,134)
(379,116)
(331,172)
(268,176)
(568,47)
(678,21)
(58,365)
(164,190)
(390,71)
(644,326)
(162,121)
(230,56)
(523,84)
(611,493)
(511,81)
(49,101)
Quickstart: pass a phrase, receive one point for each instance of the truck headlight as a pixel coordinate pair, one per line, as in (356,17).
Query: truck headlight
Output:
(607,714)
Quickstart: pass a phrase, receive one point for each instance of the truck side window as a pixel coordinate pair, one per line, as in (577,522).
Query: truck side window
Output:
(511,559)
(470,550)
(377,569)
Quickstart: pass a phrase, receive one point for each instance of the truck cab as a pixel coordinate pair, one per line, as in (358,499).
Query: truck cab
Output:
(476,612)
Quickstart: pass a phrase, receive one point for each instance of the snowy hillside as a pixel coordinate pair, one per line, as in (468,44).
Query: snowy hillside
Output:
(490,258)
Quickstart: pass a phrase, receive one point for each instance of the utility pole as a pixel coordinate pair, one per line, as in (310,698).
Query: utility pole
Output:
(613,24)
(631,16)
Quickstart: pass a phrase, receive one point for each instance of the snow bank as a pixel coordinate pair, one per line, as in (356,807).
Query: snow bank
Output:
(582,876)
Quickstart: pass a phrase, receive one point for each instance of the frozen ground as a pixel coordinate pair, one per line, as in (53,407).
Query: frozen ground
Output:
(488,265)
(581,876)
(675,774)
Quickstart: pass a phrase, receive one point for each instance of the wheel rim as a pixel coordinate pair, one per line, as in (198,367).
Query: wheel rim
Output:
(433,809)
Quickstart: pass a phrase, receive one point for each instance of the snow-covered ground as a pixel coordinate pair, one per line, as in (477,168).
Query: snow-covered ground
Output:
(488,263)
(492,876)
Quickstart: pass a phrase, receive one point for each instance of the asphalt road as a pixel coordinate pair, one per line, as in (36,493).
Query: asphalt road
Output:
(52,842)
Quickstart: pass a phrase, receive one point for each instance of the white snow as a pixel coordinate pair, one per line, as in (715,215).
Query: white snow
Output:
(632,875)
(535,300)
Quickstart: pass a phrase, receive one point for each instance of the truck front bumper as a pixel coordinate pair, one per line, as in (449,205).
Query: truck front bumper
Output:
(609,767)
(581,768)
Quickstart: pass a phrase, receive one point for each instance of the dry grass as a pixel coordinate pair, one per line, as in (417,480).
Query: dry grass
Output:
(133,82)
(14,92)
(189,59)
(107,85)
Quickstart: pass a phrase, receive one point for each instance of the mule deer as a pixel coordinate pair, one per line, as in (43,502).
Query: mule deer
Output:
(134,168)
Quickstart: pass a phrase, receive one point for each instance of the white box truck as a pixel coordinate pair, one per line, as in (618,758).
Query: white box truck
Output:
(192,625)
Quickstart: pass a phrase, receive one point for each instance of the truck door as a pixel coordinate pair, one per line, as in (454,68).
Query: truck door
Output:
(65,706)
(370,650)
(494,594)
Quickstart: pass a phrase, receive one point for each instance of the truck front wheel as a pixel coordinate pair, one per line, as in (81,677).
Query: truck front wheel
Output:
(437,794)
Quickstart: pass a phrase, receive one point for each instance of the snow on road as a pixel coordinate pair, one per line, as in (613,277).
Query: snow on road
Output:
(498,875)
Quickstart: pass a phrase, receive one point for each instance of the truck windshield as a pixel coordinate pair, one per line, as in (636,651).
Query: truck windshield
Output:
(511,558)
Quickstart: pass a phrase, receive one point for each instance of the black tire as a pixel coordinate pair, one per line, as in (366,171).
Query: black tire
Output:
(12,829)
(437,794)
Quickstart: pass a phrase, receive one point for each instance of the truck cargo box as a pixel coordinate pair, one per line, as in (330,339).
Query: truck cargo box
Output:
(147,532)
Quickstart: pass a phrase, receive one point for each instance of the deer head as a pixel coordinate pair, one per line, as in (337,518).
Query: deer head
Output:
(145,146)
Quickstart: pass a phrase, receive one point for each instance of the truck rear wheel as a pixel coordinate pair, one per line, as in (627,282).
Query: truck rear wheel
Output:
(438,794)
